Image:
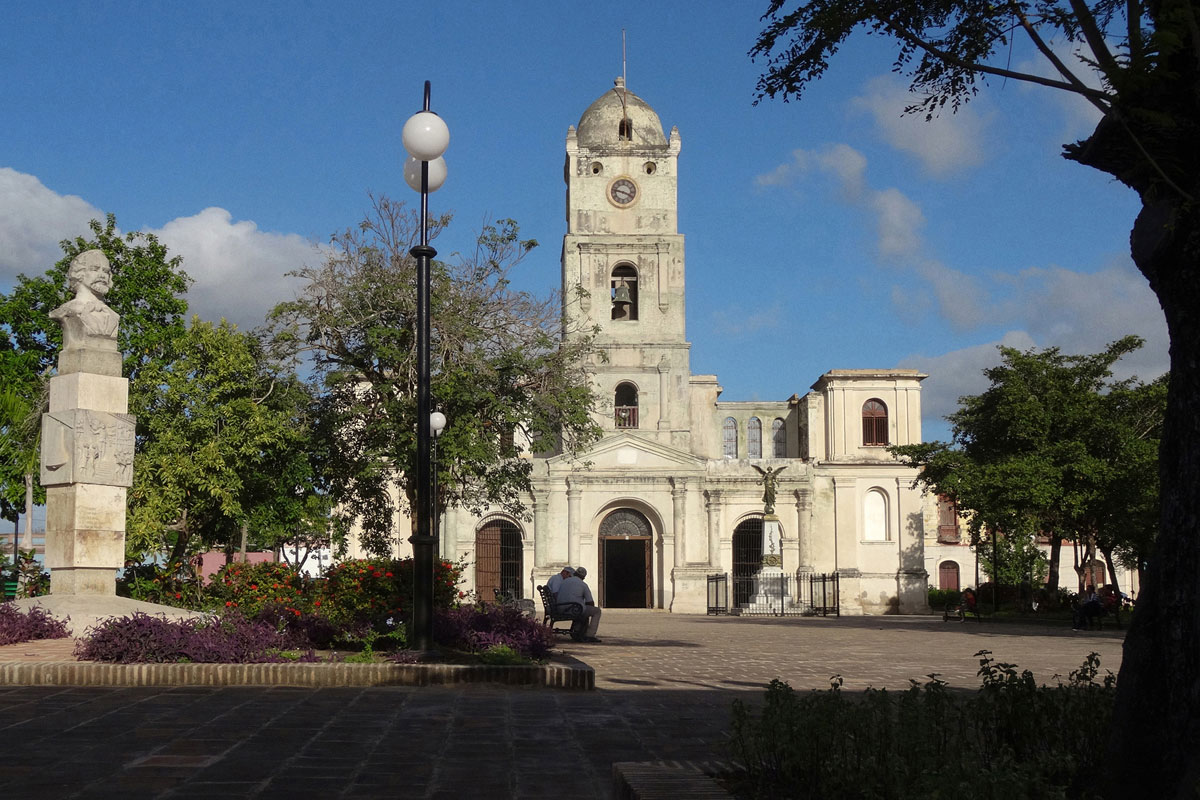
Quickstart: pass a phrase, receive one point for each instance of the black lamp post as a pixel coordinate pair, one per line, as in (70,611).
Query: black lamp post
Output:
(425,138)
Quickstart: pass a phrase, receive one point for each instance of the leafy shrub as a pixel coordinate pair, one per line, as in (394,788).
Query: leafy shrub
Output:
(1011,739)
(176,584)
(478,628)
(142,639)
(501,654)
(249,588)
(940,598)
(372,591)
(25,627)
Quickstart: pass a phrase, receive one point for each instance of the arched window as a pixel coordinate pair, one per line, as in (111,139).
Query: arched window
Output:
(625,130)
(875,423)
(754,438)
(625,406)
(729,437)
(875,517)
(779,438)
(624,292)
(948,575)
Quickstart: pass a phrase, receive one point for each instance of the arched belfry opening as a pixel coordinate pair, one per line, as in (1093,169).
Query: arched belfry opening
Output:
(624,291)
(625,405)
(625,559)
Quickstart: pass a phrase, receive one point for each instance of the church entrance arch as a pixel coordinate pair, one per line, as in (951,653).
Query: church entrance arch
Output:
(747,558)
(625,560)
(498,559)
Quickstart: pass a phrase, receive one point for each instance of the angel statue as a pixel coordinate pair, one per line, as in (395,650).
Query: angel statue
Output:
(770,480)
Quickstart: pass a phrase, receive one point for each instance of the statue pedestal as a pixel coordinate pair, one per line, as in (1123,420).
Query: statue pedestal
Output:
(87,466)
(771,589)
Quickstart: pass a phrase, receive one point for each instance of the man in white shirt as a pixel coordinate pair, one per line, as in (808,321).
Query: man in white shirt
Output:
(574,590)
(555,582)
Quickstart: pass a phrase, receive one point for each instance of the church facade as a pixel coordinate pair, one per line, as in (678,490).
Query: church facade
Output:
(674,491)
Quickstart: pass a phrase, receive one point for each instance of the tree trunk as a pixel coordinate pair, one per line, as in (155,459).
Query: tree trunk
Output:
(1154,746)
(181,541)
(1112,568)
(242,546)
(1055,560)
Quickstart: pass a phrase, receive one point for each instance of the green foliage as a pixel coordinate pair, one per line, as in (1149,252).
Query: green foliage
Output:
(175,584)
(224,444)
(1012,738)
(502,370)
(502,654)
(250,588)
(1045,449)
(369,592)
(939,599)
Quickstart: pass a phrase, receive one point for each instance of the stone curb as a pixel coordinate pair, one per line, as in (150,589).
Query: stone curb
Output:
(657,780)
(89,673)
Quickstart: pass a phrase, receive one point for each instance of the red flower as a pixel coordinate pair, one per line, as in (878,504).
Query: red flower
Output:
(388,575)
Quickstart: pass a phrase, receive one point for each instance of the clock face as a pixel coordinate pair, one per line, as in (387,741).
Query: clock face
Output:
(623,191)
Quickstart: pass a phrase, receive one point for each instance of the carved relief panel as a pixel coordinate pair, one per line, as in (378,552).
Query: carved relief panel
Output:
(85,446)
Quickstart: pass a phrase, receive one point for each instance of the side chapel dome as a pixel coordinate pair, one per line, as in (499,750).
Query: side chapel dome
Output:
(620,116)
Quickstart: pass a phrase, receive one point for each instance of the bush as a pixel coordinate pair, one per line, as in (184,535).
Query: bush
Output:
(940,598)
(176,584)
(300,630)
(1011,739)
(476,629)
(25,627)
(143,639)
(250,588)
(372,591)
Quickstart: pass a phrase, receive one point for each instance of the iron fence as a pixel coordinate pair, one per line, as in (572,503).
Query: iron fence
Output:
(774,594)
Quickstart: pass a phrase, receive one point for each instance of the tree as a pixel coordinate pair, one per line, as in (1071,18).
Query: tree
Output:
(1145,58)
(21,406)
(504,372)
(1036,453)
(216,452)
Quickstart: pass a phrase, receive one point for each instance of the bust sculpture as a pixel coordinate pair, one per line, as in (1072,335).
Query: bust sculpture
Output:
(89,326)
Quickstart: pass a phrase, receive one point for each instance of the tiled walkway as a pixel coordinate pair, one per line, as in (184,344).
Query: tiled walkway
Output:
(664,688)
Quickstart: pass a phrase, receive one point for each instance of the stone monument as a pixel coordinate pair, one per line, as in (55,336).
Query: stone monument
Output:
(87,440)
(770,584)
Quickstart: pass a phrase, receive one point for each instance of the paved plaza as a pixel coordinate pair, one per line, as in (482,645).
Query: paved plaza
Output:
(664,685)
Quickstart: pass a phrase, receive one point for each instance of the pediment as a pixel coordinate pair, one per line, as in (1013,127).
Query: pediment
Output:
(623,452)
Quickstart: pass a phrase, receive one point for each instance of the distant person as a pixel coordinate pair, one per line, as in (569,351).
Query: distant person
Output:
(1087,609)
(574,590)
(555,582)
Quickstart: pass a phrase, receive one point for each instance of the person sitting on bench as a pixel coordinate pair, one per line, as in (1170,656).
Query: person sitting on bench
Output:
(574,590)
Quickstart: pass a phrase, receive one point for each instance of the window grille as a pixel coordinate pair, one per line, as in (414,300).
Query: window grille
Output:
(754,438)
(875,423)
(730,437)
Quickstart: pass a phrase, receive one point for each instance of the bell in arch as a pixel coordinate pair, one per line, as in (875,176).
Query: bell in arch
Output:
(621,301)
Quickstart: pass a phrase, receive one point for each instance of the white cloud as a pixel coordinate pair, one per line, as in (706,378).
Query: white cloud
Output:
(898,222)
(238,269)
(33,220)
(944,145)
(849,167)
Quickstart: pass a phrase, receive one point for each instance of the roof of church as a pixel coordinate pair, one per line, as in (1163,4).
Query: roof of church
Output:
(601,124)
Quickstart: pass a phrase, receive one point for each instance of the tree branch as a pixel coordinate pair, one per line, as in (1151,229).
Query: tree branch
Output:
(1053,58)
(1095,39)
(1093,95)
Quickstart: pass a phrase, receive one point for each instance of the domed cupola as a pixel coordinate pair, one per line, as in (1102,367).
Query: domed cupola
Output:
(620,117)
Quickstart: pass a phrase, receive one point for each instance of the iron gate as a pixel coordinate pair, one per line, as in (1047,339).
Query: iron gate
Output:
(800,594)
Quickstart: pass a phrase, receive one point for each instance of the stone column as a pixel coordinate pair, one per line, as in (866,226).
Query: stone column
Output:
(574,493)
(713,507)
(804,528)
(679,518)
(541,529)
(449,534)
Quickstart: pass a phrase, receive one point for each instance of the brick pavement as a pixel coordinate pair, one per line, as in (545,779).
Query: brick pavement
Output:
(664,687)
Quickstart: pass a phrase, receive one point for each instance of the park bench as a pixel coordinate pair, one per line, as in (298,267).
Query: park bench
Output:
(960,610)
(523,605)
(562,612)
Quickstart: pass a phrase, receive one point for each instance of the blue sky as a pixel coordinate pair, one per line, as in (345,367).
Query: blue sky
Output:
(830,233)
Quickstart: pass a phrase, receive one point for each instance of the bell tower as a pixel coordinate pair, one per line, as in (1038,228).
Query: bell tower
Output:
(623,265)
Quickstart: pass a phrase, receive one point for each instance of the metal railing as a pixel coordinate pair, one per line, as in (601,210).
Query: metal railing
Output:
(801,594)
